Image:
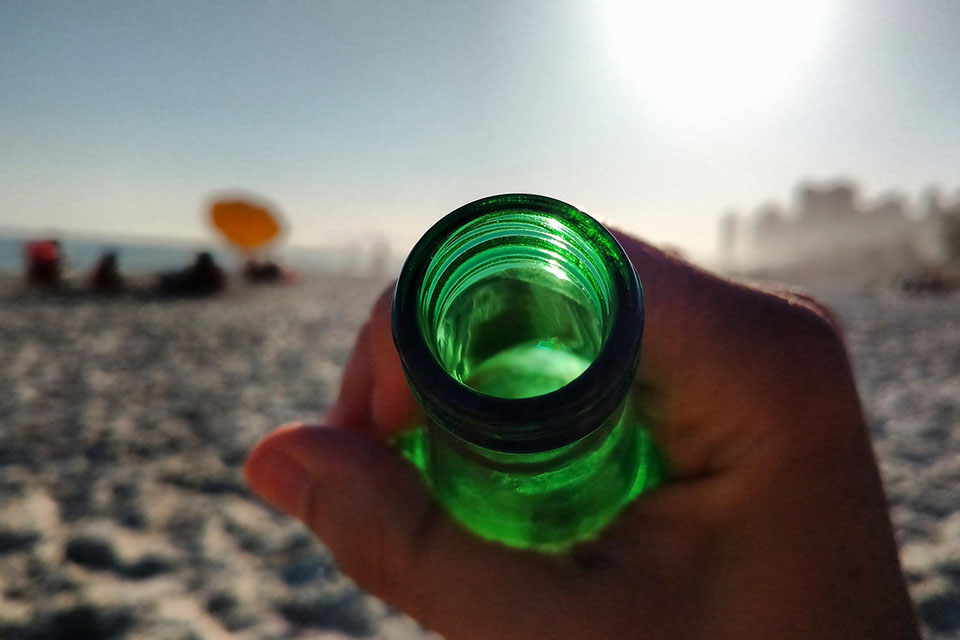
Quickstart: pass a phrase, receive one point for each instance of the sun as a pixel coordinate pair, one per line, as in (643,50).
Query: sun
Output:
(709,59)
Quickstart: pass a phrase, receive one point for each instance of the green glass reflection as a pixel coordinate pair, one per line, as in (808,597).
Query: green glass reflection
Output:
(517,303)
(545,501)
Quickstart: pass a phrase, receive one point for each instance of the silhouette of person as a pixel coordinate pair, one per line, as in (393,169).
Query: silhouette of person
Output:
(43,263)
(202,278)
(105,277)
(261,271)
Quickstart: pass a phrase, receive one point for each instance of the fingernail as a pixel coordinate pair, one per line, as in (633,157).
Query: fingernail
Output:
(279,479)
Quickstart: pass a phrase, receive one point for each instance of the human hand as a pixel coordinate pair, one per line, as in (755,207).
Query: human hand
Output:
(774,524)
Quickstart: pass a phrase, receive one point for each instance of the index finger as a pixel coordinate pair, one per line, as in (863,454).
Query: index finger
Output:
(374,395)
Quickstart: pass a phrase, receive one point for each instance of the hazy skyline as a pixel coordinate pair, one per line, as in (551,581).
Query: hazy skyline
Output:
(352,117)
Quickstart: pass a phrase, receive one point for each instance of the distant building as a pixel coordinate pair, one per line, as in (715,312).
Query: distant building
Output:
(889,209)
(832,202)
(832,228)
(729,232)
(946,219)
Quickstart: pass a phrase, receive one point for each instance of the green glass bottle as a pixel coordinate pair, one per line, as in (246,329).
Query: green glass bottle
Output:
(518,322)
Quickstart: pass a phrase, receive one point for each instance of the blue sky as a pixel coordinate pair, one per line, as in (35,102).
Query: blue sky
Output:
(362,118)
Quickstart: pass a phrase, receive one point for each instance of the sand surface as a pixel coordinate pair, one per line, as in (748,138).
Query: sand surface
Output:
(124,424)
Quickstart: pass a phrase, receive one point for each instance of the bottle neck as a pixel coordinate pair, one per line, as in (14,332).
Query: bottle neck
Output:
(518,322)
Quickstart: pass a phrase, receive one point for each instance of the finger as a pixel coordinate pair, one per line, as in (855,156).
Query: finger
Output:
(352,406)
(374,395)
(796,296)
(374,515)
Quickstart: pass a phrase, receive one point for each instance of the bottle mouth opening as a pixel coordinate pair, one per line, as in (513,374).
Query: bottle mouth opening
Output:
(516,304)
(518,321)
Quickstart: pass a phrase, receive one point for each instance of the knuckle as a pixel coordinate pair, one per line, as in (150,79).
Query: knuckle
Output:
(819,342)
(801,325)
(797,348)
(810,375)
(813,322)
(819,316)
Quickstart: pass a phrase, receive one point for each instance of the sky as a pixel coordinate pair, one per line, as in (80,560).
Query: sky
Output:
(362,120)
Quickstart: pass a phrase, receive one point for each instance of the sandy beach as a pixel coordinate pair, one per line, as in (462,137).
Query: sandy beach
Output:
(124,424)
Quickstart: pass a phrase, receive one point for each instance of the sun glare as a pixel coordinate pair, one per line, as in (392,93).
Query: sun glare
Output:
(707,59)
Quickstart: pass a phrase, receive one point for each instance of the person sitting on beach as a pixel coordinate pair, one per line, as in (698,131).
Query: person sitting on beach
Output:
(774,525)
(105,277)
(43,263)
(262,271)
(202,278)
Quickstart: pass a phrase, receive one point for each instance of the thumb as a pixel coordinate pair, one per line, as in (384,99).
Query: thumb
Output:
(371,510)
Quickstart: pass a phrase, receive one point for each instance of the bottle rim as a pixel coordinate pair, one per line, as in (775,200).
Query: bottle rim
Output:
(538,423)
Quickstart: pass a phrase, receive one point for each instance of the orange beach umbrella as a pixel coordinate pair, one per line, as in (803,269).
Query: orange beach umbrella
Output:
(245,225)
